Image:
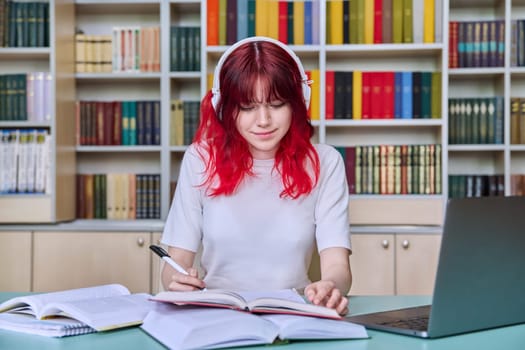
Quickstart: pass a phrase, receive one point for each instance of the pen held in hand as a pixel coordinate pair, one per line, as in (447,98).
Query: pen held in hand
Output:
(166,257)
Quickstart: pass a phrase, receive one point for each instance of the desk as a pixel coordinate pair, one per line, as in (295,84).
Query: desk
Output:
(508,338)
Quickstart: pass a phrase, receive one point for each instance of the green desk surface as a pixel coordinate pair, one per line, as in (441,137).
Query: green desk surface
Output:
(507,338)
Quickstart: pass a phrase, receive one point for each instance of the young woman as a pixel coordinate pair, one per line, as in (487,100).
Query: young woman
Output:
(254,191)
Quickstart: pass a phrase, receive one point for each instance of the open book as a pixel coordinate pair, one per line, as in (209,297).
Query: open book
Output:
(209,328)
(286,301)
(75,311)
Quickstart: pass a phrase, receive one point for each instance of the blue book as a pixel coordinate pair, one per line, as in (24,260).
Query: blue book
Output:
(308,22)
(133,123)
(406,92)
(397,95)
(242,19)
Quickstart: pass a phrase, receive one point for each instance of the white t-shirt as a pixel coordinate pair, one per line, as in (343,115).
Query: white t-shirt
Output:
(254,239)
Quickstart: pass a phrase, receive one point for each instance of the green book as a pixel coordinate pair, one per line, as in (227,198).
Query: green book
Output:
(435,95)
(426,97)
(397,21)
(408,35)
(352,18)
(222,22)
(360,21)
(251,17)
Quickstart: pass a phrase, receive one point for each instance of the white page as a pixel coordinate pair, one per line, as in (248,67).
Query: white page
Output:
(38,301)
(105,313)
(185,327)
(303,327)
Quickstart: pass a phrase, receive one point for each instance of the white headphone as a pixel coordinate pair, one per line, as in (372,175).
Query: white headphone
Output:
(216,92)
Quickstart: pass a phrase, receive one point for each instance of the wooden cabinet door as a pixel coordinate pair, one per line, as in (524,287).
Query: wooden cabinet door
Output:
(372,263)
(65,260)
(416,263)
(15,261)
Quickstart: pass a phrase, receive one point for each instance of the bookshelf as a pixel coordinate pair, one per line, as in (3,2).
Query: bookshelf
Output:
(54,203)
(166,85)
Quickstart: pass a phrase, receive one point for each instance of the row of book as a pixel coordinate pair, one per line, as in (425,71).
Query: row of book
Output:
(383,21)
(25,96)
(127,49)
(393,169)
(24,23)
(184,121)
(291,22)
(477,120)
(403,95)
(24,161)
(185,49)
(111,123)
(117,196)
(476,44)
(475,185)
(517,120)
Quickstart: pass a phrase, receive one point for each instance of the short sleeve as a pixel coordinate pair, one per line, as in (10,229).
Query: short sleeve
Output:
(183,228)
(331,212)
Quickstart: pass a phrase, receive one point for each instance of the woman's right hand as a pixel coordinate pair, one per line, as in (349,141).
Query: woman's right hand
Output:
(183,283)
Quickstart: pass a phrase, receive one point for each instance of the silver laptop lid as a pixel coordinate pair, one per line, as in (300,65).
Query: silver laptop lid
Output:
(480,281)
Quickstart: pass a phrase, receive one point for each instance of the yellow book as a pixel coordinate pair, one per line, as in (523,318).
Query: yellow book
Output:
(369,22)
(209,81)
(357,99)
(428,21)
(273,19)
(261,17)
(315,111)
(336,22)
(298,23)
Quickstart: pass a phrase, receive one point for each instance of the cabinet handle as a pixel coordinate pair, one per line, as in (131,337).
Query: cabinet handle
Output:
(405,244)
(140,242)
(385,243)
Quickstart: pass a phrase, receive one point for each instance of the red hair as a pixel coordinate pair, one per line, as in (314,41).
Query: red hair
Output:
(228,159)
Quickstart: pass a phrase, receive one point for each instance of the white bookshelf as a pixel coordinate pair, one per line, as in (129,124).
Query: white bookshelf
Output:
(98,17)
(57,59)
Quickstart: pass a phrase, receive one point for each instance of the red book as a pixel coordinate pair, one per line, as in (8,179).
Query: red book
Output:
(350,168)
(108,123)
(77,123)
(212,22)
(329,94)
(117,123)
(378,21)
(283,21)
(99,123)
(388,95)
(376,95)
(453,58)
(365,95)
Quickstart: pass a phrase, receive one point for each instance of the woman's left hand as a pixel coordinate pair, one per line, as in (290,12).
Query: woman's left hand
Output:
(325,293)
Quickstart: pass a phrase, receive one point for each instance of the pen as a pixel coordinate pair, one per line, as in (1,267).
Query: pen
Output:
(166,257)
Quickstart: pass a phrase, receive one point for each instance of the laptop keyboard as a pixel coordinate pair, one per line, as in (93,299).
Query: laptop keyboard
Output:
(419,323)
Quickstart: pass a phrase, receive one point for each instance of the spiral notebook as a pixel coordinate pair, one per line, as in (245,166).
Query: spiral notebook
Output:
(54,327)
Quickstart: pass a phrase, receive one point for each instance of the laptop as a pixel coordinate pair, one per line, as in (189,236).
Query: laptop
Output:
(480,280)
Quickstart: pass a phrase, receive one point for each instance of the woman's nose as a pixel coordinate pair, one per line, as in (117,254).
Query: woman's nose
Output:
(263,116)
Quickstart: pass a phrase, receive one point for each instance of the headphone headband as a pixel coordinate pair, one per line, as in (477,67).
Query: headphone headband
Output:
(216,93)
